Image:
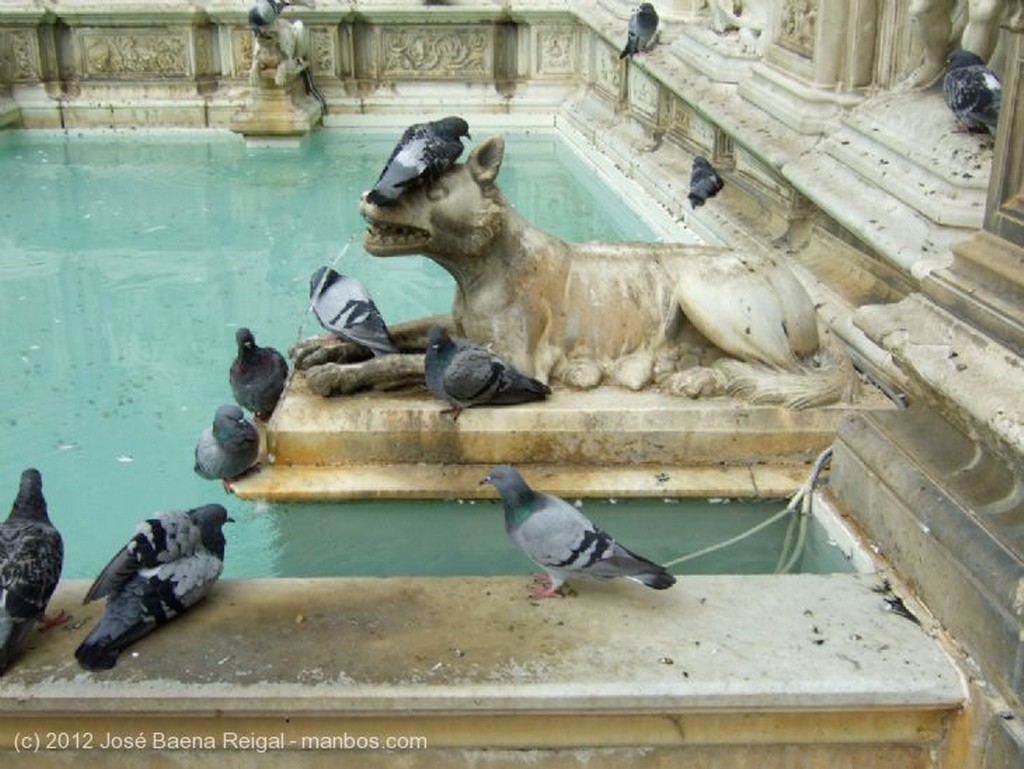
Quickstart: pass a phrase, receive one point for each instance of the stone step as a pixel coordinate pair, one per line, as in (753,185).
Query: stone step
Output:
(402,445)
(795,670)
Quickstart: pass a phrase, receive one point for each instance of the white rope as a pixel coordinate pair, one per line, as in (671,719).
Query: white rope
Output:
(802,497)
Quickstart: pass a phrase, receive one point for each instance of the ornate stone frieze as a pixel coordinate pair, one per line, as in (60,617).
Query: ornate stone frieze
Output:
(455,51)
(128,53)
(555,51)
(798,24)
(19,56)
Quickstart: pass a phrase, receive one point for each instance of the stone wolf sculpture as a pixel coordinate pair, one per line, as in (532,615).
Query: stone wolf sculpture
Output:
(692,320)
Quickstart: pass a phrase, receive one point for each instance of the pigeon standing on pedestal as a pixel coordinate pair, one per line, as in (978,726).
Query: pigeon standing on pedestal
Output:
(31,556)
(465,374)
(343,306)
(422,155)
(257,375)
(972,91)
(565,543)
(228,448)
(643,25)
(170,563)
(704,182)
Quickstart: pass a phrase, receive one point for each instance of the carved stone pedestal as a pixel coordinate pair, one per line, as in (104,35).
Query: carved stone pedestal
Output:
(276,114)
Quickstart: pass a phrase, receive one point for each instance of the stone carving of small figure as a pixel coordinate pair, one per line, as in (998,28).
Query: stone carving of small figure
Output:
(750,17)
(933,24)
(281,46)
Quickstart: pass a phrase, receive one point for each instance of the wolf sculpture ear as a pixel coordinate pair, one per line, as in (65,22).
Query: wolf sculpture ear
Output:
(485,160)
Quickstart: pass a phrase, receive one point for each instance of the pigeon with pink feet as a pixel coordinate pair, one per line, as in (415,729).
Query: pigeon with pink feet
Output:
(565,543)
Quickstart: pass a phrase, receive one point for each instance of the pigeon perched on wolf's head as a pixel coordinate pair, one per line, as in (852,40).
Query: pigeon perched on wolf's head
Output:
(343,306)
(704,182)
(422,155)
(643,24)
(465,374)
(972,91)
(257,375)
(31,556)
(229,447)
(170,563)
(565,543)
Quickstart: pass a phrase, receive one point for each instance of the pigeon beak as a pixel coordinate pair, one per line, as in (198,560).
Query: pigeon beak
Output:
(485,479)
(229,519)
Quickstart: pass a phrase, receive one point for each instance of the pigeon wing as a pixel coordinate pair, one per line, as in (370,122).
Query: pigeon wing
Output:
(473,375)
(147,600)
(346,309)
(157,541)
(31,557)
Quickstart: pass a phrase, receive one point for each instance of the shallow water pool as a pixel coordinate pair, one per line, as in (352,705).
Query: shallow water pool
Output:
(128,261)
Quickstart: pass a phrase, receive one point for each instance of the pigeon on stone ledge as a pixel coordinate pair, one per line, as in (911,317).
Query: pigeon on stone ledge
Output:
(465,374)
(228,448)
(343,306)
(422,155)
(31,556)
(704,182)
(972,91)
(257,375)
(643,25)
(565,543)
(170,563)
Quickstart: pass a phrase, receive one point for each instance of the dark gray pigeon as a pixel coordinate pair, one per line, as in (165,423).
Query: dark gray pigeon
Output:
(565,543)
(262,14)
(465,374)
(343,306)
(170,563)
(643,24)
(31,556)
(704,182)
(422,155)
(229,447)
(972,91)
(257,375)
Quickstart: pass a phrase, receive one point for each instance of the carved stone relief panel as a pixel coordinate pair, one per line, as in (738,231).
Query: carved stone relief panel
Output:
(451,52)
(754,168)
(798,24)
(241,51)
(643,93)
(132,53)
(323,50)
(555,51)
(607,73)
(19,56)
(686,124)
(205,52)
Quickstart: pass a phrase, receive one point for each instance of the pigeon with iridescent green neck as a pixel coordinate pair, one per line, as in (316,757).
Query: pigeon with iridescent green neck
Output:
(465,374)
(565,543)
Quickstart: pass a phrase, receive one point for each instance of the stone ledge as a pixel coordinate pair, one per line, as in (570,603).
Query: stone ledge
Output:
(363,646)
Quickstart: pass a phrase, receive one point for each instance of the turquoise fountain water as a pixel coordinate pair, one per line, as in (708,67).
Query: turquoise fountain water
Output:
(129,260)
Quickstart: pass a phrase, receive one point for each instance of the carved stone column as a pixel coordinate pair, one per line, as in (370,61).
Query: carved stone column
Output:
(28,67)
(820,55)
(985,283)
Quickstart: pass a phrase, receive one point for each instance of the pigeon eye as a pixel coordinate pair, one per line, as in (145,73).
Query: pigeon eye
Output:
(437,192)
